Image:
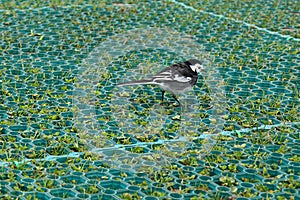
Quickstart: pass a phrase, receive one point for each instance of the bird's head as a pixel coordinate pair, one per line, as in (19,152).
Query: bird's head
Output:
(195,65)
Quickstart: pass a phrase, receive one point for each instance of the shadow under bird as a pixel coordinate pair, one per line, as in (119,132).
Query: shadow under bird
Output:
(176,78)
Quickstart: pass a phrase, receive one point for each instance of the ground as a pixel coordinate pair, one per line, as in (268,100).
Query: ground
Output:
(66,131)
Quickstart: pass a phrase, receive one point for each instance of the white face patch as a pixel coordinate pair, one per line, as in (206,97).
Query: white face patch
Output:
(197,67)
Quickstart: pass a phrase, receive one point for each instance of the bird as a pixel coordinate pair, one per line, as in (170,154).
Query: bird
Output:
(175,79)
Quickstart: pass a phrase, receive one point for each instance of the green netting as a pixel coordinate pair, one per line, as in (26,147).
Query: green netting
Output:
(66,131)
(261,14)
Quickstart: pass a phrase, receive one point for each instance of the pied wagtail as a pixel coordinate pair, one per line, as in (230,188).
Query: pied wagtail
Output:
(175,78)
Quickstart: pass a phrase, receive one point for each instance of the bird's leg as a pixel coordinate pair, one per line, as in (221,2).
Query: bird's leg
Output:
(162,95)
(176,99)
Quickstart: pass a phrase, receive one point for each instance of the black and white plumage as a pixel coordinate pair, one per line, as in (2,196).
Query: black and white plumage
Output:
(176,78)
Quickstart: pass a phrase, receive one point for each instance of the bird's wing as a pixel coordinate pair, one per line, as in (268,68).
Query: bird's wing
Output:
(182,79)
(175,72)
(165,74)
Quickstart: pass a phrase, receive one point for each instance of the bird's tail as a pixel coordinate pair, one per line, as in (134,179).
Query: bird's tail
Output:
(138,82)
